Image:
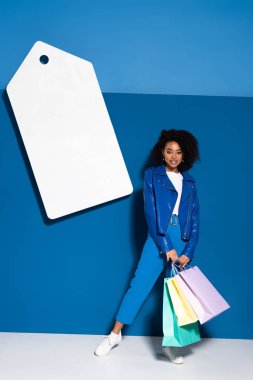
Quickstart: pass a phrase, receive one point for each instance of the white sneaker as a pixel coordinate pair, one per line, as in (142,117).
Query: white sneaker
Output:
(172,354)
(108,343)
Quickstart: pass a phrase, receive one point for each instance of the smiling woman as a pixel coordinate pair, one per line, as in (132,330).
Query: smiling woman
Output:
(171,210)
(172,154)
(176,146)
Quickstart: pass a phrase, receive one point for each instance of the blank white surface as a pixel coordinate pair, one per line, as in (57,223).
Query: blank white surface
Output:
(67,132)
(71,357)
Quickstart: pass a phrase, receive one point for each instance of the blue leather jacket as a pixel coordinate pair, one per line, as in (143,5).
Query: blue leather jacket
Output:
(159,200)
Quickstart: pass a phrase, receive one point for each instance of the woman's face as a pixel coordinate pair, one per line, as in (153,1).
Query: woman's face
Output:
(173,155)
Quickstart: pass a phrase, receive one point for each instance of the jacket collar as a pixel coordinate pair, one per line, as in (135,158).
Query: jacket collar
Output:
(162,171)
(187,187)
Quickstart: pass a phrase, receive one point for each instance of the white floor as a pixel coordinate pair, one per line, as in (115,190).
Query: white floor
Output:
(60,356)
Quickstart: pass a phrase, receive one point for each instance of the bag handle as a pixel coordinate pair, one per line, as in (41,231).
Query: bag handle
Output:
(174,269)
(176,266)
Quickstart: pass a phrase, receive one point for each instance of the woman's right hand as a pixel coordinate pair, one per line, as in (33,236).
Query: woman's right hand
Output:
(172,255)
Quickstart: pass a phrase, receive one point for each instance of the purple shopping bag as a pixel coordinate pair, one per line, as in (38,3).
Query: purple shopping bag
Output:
(200,310)
(210,302)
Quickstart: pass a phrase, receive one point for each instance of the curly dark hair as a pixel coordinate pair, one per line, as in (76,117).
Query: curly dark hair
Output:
(187,142)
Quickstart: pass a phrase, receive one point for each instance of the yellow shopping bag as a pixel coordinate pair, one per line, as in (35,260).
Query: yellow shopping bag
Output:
(183,310)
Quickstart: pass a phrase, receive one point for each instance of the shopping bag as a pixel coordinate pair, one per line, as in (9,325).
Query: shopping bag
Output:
(173,334)
(201,310)
(209,299)
(184,312)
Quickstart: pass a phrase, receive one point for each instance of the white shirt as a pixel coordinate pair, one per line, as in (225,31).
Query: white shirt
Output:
(176,179)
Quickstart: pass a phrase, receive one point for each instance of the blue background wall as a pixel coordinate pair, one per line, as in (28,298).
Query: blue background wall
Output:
(69,276)
(184,47)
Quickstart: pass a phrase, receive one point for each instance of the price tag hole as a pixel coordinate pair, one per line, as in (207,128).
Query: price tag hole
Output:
(44,59)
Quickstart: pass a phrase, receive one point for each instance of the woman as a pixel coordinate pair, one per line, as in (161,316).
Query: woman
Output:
(172,213)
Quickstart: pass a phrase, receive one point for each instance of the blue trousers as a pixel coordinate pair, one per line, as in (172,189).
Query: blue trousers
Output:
(149,268)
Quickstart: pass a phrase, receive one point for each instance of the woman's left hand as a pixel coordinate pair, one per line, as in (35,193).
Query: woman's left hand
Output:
(183,260)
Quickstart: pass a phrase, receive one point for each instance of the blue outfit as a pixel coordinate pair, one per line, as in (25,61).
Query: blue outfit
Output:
(150,266)
(166,231)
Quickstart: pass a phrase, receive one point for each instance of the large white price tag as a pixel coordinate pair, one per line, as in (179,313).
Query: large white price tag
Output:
(67,132)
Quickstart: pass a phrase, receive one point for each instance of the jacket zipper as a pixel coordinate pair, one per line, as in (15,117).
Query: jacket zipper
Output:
(187,218)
